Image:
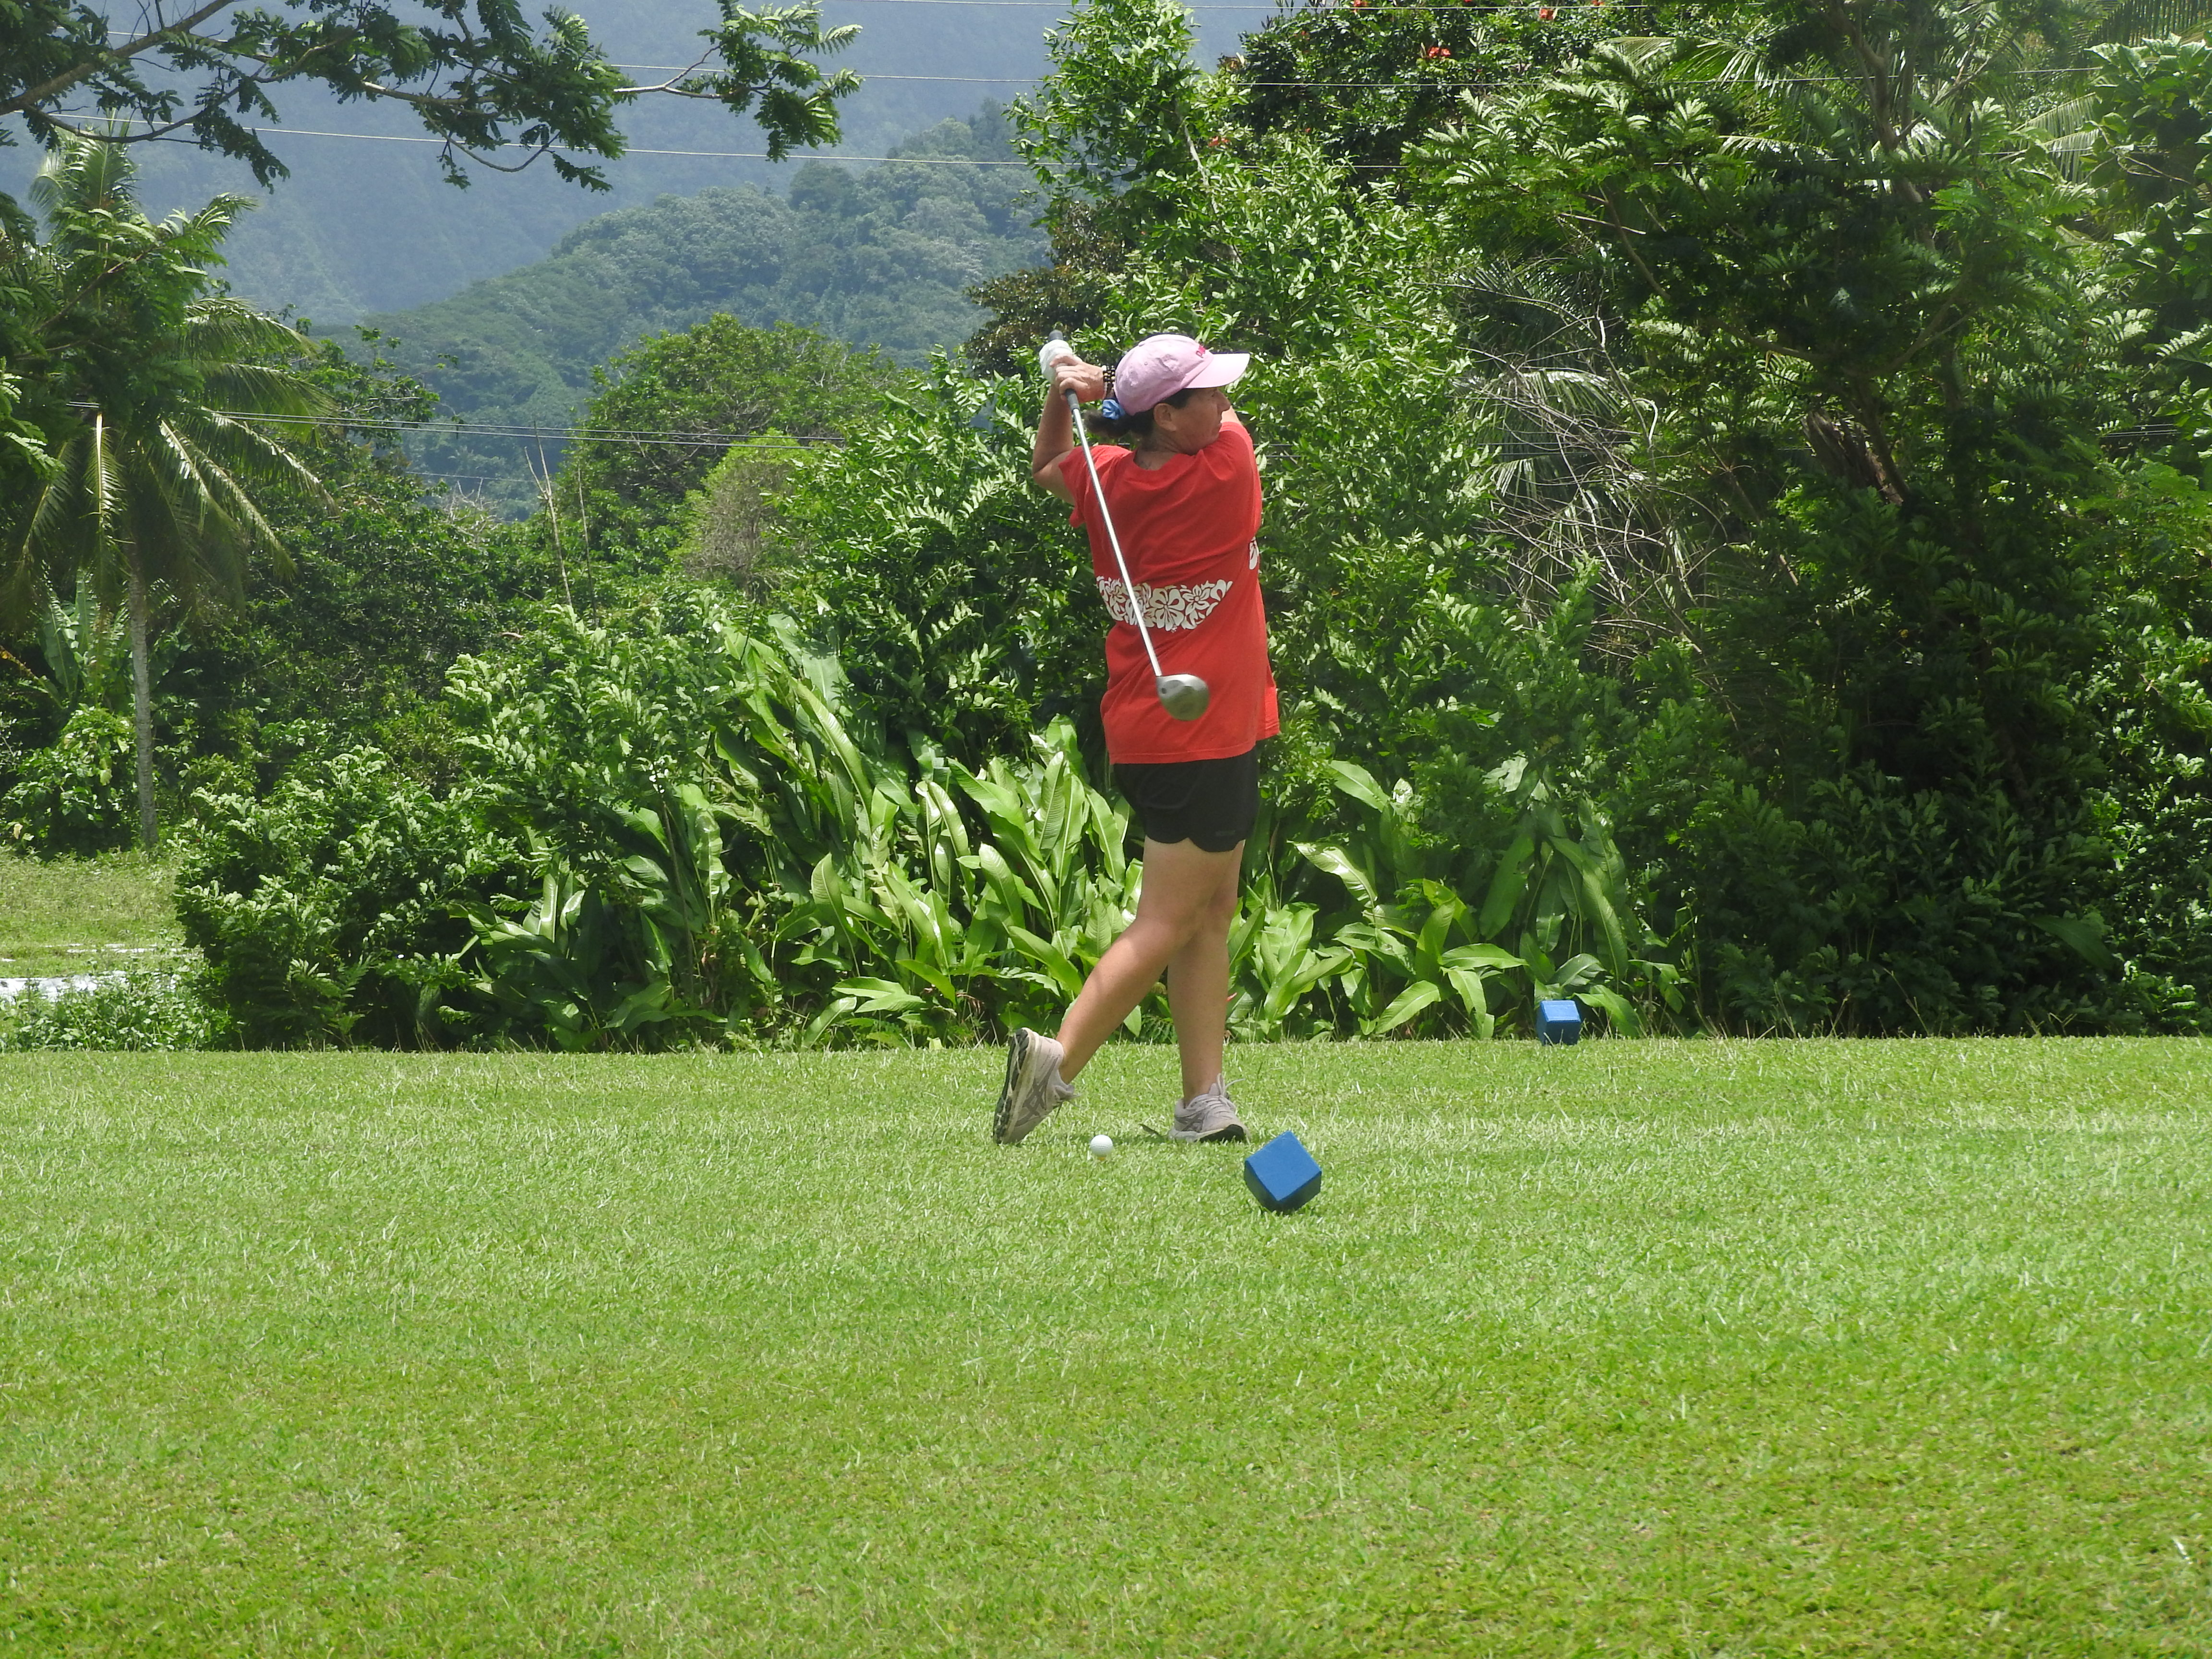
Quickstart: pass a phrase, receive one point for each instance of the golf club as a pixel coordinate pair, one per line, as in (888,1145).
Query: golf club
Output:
(1183,695)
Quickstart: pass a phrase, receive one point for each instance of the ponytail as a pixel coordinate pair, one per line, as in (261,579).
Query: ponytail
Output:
(1110,419)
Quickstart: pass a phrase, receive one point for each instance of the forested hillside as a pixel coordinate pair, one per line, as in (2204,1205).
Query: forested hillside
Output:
(367,225)
(877,257)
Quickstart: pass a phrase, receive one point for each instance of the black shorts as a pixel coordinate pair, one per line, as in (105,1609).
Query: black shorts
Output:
(1214,802)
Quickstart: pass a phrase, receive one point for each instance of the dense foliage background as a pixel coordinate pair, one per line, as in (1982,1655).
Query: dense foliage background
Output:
(1736,553)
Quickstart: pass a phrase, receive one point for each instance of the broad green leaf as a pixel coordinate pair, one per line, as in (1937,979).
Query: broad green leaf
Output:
(1409,1002)
(1336,862)
(1506,883)
(1048,956)
(880,996)
(1359,783)
(1481,956)
(2083,935)
(1617,1009)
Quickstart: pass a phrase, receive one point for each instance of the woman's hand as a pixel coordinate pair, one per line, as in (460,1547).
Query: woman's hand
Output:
(1055,435)
(1086,380)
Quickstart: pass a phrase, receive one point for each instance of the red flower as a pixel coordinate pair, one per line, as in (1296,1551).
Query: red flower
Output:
(1544,14)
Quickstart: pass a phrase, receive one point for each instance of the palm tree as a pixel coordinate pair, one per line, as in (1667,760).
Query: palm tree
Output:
(159,457)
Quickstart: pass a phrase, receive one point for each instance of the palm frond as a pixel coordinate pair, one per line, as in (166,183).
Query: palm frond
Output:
(251,388)
(104,496)
(222,330)
(2147,19)
(82,176)
(255,457)
(226,486)
(188,519)
(178,485)
(1643,52)
(2063,122)
(48,546)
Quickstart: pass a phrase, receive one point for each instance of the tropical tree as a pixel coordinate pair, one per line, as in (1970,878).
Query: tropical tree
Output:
(1835,254)
(496,92)
(160,391)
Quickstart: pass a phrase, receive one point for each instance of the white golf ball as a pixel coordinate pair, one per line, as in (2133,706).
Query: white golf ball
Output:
(1101,1146)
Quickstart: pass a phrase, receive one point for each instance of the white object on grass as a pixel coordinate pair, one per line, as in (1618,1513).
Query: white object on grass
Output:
(1101,1145)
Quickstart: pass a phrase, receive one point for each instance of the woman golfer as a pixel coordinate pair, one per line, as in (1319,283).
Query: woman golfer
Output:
(1186,498)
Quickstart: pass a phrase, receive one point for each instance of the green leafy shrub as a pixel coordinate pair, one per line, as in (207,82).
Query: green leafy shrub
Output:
(76,795)
(326,911)
(1555,919)
(134,1011)
(955,594)
(729,519)
(718,849)
(676,831)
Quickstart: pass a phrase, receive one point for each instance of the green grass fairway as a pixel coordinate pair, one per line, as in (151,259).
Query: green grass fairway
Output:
(1664,1348)
(84,915)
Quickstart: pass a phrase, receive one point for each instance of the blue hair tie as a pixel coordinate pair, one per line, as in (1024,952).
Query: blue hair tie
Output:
(1112,410)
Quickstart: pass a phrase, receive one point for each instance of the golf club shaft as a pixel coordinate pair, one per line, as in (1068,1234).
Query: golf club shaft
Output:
(1113,540)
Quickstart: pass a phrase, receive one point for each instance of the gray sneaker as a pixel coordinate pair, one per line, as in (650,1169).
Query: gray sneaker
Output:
(1207,1116)
(1033,1089)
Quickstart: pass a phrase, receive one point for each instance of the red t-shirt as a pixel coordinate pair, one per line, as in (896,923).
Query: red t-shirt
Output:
(1187,530)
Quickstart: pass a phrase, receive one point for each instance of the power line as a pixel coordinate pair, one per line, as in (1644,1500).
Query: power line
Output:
(1370,86)
(1377,8)
(1032,80)
(1469,86)
(706,155)
(981,79)
(1034,167)
(635,435)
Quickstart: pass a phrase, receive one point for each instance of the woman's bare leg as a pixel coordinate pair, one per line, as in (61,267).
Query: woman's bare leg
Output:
(1197,986)
(1181,897)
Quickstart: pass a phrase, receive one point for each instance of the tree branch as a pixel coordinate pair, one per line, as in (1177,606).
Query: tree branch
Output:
(674,83)
(62,124)
(69,78)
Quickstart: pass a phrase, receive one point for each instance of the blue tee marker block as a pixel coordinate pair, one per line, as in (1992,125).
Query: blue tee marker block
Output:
(1282,1173)
(1558,1022)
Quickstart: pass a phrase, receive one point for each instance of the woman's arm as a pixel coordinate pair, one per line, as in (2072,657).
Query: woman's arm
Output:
(1055,433)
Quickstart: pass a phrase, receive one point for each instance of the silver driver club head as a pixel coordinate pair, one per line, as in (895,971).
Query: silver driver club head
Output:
(1183,695)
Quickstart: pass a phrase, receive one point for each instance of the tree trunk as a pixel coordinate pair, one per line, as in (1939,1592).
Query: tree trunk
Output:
(142,703)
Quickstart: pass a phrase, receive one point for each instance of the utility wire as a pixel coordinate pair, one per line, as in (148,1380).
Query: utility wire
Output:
(1468,85)
(518,429)
(1046,167)
(709,154)
(558,433)
(1423,83)
(1375,9)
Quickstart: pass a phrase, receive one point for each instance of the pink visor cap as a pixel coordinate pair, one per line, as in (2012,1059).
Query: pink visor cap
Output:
(1161,365)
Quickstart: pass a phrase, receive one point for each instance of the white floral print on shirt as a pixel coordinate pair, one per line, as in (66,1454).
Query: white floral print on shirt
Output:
(1168,609)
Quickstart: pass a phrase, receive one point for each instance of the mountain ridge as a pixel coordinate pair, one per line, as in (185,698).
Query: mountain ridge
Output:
(877,257)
